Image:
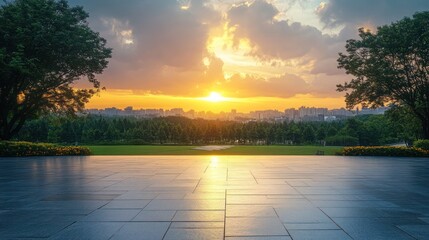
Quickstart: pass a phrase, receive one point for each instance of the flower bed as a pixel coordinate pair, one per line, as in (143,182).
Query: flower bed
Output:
(385,151)
(22,149)
(423,144)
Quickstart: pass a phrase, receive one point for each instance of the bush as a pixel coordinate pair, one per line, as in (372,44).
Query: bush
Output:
(423,144)
(23,149)
(385,151)
(342,141)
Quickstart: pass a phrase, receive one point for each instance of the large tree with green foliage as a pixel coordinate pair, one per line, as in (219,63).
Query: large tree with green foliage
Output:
(45,47)
(391,66)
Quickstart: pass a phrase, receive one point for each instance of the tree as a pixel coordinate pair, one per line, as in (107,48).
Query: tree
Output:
(309,134)
(321,133)
(45,47)
(405,124)
(391,66)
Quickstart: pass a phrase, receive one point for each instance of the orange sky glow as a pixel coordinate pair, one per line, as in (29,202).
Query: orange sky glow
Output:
(124,98)
(218,55)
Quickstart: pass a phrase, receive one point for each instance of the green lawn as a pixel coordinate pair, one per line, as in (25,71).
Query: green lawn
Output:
(188,150)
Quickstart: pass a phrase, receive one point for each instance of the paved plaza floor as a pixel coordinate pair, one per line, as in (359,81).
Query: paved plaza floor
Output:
(207,197)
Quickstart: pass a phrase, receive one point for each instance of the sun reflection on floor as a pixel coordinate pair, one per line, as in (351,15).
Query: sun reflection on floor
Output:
(214,161)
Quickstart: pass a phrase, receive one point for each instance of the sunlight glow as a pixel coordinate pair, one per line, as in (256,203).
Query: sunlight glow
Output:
(122,98)
(214,161)
(239,55)
(206,61)
(215,97)
(122,30)
(184,4)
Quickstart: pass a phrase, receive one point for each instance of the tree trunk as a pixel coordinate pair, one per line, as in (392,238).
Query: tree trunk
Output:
(8,129)
(5,136)
(5,132)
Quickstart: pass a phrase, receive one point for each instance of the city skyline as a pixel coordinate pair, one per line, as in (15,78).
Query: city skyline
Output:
(308,114)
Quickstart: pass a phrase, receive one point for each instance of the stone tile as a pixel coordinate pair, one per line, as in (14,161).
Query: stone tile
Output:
(126,204)
(265,200)
(143,230)
(260,238)
(155,216)
(426,219)
(263,191)
(32,229)
(80,196)
(197,225)
(186,205)
(88,231)
(311,226)
(206,195)
(250,211)
(194,234)
(137,195)
(111,215)
(302,215)
(84,204)
(199,216)
(363,228)
(351,204)
(401,221)
(171,196)
(254,227)
(319,235)
(351,212)
(101,197)
(417,231)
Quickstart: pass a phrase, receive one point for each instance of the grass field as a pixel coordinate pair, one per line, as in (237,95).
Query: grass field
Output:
(188,150)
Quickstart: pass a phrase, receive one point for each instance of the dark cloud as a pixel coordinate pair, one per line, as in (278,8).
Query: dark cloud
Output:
(273,38)
(149,37)
(377,12)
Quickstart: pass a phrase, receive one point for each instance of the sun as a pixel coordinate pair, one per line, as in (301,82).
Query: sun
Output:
(215,97)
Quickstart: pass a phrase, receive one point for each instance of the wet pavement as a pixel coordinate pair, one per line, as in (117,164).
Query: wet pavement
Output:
(208,197)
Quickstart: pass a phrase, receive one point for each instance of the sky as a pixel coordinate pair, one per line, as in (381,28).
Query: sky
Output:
(218,55)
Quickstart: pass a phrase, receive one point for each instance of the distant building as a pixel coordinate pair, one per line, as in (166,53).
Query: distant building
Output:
(312,112)
(292,114)
(370,111)
(308,114)
(175,112)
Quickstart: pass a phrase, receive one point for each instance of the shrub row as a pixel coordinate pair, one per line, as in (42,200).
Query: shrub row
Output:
(385,151)
(22,149)
(423,144)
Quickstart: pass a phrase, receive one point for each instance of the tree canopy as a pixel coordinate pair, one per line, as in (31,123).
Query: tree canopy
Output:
(45,47)
(367,130)
(390,66)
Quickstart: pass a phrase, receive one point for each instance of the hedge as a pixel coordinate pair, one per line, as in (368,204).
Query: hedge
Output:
(24,149)
(423,144)
(385,151)
(342,141)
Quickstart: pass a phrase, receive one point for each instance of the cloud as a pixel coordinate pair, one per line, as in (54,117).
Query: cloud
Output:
(290,42)
(380,12)
(274,38)
(285,86)
(161,46)
(152,40)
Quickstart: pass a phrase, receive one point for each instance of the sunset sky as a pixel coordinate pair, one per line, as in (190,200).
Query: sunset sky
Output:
(247,55)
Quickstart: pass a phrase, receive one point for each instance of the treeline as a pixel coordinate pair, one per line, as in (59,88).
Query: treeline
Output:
(91,129)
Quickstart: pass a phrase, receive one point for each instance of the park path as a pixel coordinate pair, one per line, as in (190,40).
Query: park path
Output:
(213,147)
